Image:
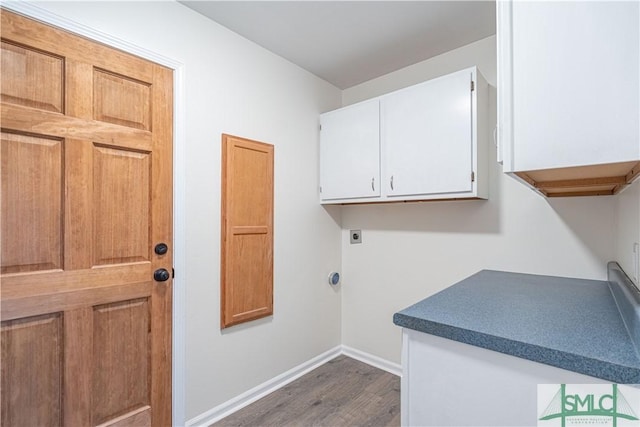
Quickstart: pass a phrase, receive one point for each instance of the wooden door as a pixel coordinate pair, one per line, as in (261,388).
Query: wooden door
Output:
(86,177)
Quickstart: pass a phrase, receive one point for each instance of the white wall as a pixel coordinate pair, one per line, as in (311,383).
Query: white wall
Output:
(411,251)
(236,87)
(481,53)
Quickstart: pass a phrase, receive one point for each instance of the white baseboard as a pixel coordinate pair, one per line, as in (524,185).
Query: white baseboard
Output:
(227,408)
(375,361)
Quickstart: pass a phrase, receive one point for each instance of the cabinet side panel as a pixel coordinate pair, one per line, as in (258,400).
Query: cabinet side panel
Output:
(504,74)
(483,128)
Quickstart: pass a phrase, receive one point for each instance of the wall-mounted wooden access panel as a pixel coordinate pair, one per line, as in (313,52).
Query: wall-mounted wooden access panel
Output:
(247,230)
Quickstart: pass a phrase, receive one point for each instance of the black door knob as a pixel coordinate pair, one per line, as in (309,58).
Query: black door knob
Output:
(161,275)
(161,248)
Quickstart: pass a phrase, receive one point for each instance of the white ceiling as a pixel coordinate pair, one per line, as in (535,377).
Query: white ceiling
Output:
(350,42)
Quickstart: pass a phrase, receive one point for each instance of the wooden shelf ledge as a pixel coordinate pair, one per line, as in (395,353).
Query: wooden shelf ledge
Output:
(594,180)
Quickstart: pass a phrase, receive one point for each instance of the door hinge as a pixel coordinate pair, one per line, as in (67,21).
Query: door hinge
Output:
(473,176)
(320,127)
(473,86)
(321,189)
(173,273)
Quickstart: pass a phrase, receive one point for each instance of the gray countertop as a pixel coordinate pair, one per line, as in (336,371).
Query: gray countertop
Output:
(574,324)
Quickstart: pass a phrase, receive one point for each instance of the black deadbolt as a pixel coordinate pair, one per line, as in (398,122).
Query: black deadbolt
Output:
(161,248)
(161,275)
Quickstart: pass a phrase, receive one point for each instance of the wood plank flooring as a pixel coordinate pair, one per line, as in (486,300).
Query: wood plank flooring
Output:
(342,392)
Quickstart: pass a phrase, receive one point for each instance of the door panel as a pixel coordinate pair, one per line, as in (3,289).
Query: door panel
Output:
(32,175)
(32,351)
(120,100)
(252,253)
(24,71)
(121,186)
(86,195)
(121,358)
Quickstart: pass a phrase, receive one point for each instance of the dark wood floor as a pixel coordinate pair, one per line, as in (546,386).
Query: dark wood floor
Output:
(342,392)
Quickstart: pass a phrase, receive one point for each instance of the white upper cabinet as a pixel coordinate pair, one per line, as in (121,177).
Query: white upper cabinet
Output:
(569,94)
(424,142)
(350,152)
(428,137)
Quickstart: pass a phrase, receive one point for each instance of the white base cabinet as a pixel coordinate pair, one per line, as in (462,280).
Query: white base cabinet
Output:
(569,94)
(424,142)
(449,383)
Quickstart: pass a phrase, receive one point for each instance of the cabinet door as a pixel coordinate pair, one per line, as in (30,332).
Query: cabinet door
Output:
(576,83)
(350,152)
(427,137)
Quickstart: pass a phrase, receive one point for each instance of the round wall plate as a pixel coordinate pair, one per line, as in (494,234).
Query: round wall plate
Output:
(334,278)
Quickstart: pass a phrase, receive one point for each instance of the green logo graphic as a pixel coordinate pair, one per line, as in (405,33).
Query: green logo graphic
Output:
(613,406)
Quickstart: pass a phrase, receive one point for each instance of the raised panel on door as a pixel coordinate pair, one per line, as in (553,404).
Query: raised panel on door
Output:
(24,70)
(426,132)
(121,100)
(121,205)
(32,371)
(86,195)
(121,355)
(350,152)
(32,191)
(575,83)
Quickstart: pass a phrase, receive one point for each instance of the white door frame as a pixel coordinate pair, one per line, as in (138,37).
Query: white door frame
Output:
(179,187)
